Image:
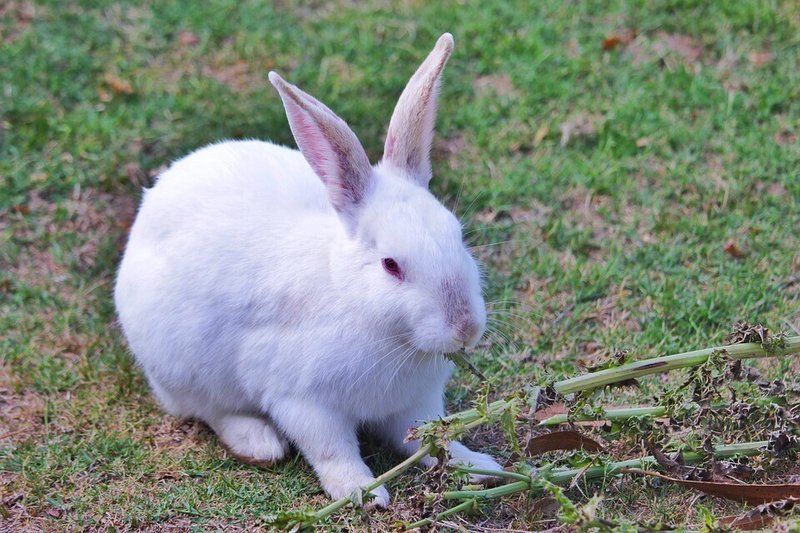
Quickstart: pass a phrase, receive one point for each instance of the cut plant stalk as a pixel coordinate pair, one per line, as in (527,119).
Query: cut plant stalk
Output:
(565,476)
(791,345)
(471,418)
(618,413)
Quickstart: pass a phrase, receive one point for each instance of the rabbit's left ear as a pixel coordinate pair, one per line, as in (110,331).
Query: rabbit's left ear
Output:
(408,141)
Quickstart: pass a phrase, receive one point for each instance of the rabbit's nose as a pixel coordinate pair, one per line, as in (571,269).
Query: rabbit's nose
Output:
(466,329)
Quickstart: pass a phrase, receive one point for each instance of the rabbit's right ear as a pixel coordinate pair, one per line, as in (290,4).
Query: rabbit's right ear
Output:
(330,147)
(408,141)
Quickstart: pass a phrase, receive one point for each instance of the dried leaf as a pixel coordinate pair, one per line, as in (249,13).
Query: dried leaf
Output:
(21,209)
(745,522)
(617,38)
(673,466)
(733,249)
(540,134)
(611,42)
(754,494)
(744,332)
(762,516)
(117,84)
(780,441)
(561,440)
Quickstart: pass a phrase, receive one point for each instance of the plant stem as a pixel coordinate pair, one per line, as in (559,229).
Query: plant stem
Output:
(473,421)
(494,492)
(380,480)
(670,362)
(471,418)
(608,414)
(463,506)
(564,477)
(494,473)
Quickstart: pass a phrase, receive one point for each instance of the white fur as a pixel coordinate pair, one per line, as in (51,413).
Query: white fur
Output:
(253,304)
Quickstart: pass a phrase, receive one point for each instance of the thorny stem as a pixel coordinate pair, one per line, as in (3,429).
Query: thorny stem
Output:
(380,480)
(620,413)
(494,473)
(408,463)
(670,362)
(472,418)
(564,477)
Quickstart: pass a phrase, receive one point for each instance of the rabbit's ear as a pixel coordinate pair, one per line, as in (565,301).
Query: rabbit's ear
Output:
(408,141)
(329,145)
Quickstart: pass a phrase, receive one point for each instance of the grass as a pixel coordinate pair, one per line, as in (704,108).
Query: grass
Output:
(601,189)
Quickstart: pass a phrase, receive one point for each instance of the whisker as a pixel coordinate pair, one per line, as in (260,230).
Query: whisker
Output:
(379,360)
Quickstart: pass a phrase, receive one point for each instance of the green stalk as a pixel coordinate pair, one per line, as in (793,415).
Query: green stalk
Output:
(621,413)
(494,473)
(463,506)
(564,477)
(380,480)
(473,422)
(670,362)
(471,418)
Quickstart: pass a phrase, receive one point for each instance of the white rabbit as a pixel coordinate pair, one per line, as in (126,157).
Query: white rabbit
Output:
(287,296)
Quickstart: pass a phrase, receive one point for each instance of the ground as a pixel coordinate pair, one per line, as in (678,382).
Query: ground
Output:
(628,173)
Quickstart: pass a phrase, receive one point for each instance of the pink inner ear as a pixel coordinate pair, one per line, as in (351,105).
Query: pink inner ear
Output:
(310,140)
(388,148)
(328,161)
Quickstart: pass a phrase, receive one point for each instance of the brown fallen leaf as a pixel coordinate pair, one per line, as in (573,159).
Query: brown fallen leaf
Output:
(561,440)
(753,494)
(611,42)
(540,134)
(21,209)
(617,38)
(762,516)
(117,84)
(733,249)
(746,523)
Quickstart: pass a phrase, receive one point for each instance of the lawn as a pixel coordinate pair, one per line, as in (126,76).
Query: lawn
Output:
(629,174)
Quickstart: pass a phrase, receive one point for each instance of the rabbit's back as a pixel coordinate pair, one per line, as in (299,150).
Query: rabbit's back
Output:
(209,245)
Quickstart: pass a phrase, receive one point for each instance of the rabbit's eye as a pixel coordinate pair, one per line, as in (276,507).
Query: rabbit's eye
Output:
(391,266)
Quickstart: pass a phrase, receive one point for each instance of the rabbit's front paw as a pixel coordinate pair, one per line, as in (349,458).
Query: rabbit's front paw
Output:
(378,497)
(460,454)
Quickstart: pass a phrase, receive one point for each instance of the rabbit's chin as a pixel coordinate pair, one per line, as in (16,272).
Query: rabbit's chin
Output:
(440,345)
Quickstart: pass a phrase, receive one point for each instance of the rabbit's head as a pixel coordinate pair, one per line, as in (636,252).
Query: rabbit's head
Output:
(403,258)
